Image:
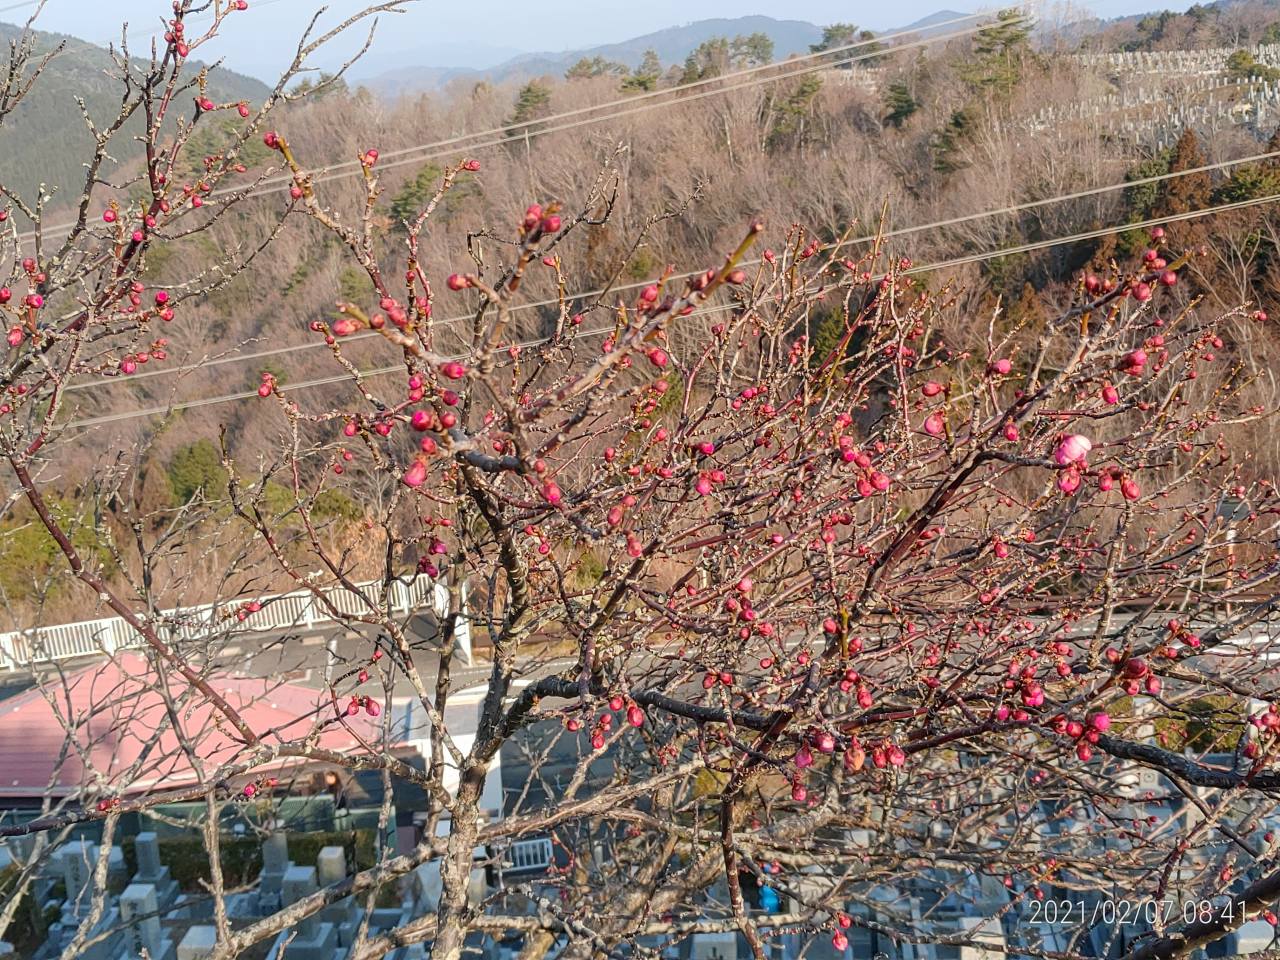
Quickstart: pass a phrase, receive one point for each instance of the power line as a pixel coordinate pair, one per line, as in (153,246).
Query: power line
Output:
(823,57)
(868,238)
(921,268)
(1094,234)
(540,127)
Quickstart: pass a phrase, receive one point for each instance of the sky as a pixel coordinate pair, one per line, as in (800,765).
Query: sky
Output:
(480,33)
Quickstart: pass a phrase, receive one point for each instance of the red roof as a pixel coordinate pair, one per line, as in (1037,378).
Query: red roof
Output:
(108,724)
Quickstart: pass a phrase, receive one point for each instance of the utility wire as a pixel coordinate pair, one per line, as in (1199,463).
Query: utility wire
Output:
(921,268)
(545,125)
(587,294)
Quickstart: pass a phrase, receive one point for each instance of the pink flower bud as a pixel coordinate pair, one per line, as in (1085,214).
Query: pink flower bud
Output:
(416,475)
(1073,449)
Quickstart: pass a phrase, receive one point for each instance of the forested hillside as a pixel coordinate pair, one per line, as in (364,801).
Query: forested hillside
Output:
(49,137)
(958,150)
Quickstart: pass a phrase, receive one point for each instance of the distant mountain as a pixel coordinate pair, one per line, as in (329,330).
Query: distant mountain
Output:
(935,23)
(442,57)
(46,140)
(672,45)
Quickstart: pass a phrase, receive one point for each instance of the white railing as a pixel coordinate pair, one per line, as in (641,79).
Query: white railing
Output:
(532,854)
(300,610)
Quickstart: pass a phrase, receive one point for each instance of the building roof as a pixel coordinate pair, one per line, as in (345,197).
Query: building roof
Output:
(109,725)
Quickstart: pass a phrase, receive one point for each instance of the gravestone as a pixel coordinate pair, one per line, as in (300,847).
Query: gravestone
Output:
(275,863)
(198,943)
(316,938)
(331,866)
(146,849)
(138,904)
(78,860)
(117,869)
(344,914)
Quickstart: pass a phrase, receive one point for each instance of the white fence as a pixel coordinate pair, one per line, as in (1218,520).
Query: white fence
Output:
(532,854)
(300,610)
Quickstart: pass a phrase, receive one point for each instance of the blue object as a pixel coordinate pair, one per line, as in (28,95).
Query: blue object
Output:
(769,900)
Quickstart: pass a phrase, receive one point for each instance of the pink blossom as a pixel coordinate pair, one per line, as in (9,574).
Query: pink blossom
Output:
(1073,449)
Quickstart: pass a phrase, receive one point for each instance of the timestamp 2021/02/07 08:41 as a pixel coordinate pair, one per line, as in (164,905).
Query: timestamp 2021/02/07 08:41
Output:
(1133,912)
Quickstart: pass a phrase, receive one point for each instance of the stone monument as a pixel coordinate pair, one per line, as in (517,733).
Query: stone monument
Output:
(316,939)
(138,906)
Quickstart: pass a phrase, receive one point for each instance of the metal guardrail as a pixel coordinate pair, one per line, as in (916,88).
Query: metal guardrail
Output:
(287,611)
(532,854)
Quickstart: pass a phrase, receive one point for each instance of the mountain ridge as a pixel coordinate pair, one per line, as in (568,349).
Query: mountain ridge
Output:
(672,45)
(50,117)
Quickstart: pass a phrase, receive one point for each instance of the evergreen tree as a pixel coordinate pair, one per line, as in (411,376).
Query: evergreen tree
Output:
(197,467)
(791,113)
(709,59)
(1243,65)
(326,85)
(751,51)
(1140,201)
(646,76)
(1183,194)
(1029,309)
(1273,146)
(1190,191)
(947,145)
(590,67)
(835,35)
(416,194)
(533,101)
(999,52)
(900,103)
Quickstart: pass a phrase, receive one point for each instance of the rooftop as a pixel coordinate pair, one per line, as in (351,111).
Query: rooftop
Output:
(122,716)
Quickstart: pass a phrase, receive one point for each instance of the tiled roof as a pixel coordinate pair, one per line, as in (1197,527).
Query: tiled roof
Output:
(109,724)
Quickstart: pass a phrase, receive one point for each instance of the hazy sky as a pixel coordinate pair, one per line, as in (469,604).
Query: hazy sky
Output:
(480,32)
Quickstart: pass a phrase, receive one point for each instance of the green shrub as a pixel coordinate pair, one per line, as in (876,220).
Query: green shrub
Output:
(28,929)
(29,556)
(354,285)
(241,857)
(335,504)
(195,467)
